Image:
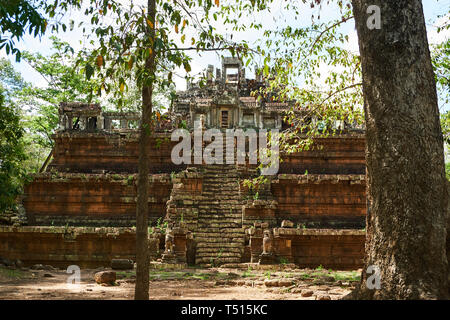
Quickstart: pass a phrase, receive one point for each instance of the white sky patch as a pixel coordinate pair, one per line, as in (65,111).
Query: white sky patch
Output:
(432,8)
(433,36)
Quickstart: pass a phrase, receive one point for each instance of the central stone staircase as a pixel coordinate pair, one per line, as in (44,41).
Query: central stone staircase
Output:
(219,234)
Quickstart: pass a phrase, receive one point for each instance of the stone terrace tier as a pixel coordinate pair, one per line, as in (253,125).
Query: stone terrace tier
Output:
(336,249)
(102,151)
(339,154)
(117,152)
(325,201)
(91,199)
(95,247)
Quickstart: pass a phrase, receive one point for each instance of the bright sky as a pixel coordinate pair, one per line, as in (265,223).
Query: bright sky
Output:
(432,8)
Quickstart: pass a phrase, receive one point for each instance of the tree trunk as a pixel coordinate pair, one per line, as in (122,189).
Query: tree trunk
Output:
(406,193)
(142,254)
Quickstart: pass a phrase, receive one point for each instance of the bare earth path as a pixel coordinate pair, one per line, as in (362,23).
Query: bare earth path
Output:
(204,284)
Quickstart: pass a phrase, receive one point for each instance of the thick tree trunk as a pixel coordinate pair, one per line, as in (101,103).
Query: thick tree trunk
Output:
(406,194)
(142,254)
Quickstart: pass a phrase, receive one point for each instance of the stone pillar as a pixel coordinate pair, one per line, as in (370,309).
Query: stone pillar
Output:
(83,123)
(100,123)
(69,124)
(107,123)
(62,122)
(218,75)
(124,124)
(256,241)
(209,73)
(180,244)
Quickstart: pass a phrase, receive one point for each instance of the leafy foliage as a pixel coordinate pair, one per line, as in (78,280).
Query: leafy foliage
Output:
(310,67)
(121,58)
(447,170)
(33,16)
(10,80)
(441,65)
(64,83)
(12,154)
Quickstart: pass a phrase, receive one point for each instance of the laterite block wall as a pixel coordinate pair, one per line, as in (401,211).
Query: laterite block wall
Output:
(91,199)
(61,247)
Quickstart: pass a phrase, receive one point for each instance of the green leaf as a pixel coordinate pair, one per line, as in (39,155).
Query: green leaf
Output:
(187,66)
(89,71)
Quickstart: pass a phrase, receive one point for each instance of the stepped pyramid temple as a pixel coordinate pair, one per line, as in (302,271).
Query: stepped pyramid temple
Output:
(81,208)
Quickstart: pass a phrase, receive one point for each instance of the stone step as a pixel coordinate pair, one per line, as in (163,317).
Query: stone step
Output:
(226,238)
(216,261)
(213,198)
(220,212)
(206,204)
(232,199)
(216,214)
(233,243)
(218,225)
(223,190)
(235,257)
(216,257)
(235,220)
(227,220)
(218,232)
(226,249)
(220,179)
(219,252)
(222,203)
(216,185)
(219,219)
(228,230)
(211,240)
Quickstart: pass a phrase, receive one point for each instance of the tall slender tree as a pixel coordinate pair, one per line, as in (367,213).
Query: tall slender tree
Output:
(142,255)
(147,44)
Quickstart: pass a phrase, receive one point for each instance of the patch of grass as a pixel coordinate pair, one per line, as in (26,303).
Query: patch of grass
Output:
(183,275)
(201,276)
(305,276)
(337,275)
(347,275)
(221,276)
(11,273)
(126,274)
(248,274)
(166,275)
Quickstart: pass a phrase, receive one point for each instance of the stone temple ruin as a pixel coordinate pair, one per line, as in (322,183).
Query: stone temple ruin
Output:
(81,209)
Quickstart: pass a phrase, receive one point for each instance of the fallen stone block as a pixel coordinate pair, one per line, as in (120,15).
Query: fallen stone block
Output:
(306,293)
(285,283)
(106,277)
(271,283)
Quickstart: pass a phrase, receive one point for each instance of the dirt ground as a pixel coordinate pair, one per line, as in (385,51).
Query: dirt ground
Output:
(190,283)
